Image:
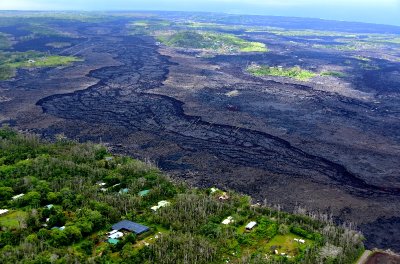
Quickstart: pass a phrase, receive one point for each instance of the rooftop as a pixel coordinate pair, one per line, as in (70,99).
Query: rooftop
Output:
(18,196)
(113,241)
(144,192)
(130,226)
(3,211)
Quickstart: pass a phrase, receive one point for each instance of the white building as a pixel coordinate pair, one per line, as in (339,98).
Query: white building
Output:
(228,220)
(116,235)
(17,196)
(251,225)
(159,205)
(3,211)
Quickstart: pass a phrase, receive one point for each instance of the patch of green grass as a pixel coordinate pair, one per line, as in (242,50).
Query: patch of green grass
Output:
(333,74)
(223,43)
(12,219)
(295,72)
(10,61)
(286,244)
(48,61)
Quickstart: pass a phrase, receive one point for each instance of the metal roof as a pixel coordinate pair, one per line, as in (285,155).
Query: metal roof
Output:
(113,241)
(144,192)
(130,226)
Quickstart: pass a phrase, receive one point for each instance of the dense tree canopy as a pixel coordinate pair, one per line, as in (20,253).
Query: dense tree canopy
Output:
(72,195)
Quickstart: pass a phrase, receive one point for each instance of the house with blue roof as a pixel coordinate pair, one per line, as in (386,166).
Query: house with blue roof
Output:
(126,225)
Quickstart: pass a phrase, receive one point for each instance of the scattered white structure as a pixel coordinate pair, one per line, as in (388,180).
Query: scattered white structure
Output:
(301,241)
(224,196)
(213,190)
(3,211)
(276,252)
(228,220)
(101,184)
(62,228)
(112,232)
(116,235)
(251,225)
(103,189)
(18,196)
(159,205)
(31,61)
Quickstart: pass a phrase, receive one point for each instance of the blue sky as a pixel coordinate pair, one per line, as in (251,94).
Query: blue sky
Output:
(375,11)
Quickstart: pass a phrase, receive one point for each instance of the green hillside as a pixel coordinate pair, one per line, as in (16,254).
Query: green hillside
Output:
(224,43)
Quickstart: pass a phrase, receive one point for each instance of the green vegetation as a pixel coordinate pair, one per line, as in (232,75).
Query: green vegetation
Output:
(223,43)
(333,74)
(149,27)
(311,33)
(295,72)
(13,220)
(4,41)
(10,61)
(362,58)
(58,45)
(76,187)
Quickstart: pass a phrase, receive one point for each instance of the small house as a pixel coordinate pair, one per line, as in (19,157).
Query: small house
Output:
(159,205)
(49,206)
(228,220)
(17,196)
(213,190)
(3,211)
(113,241)
(101,184)
(224,196)
(116,235)
(59,228)
(31,61)
(112,232)
(126,225)
(144,193)
(251,225)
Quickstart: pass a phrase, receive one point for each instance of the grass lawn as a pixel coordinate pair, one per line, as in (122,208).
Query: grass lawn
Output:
(50,61)
(12,219)
(286,244)
(10,61)
(333,74)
